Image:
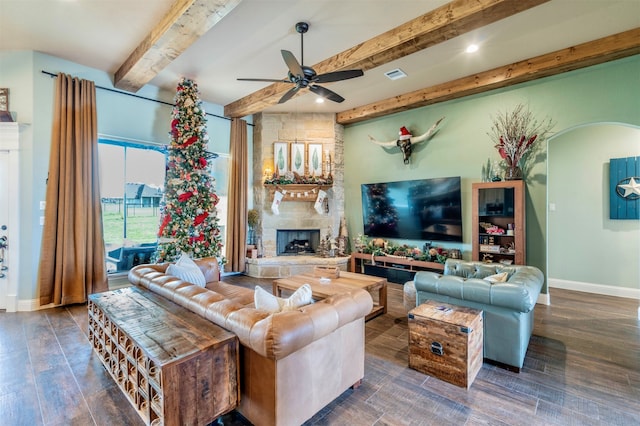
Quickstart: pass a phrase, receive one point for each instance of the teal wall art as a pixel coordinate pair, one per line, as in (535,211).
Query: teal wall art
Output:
(624,178)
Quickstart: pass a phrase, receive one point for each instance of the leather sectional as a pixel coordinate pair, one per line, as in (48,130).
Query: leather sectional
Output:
(292,363)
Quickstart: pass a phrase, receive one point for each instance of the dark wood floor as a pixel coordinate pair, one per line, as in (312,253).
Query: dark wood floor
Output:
(582,368)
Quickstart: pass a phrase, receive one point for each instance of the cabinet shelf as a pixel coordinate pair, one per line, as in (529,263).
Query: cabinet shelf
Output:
(500,254)
(501,204)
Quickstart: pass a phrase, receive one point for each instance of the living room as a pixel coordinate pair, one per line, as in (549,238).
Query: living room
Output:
(598,256)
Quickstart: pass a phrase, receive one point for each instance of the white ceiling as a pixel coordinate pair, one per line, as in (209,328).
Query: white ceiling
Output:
(247,42)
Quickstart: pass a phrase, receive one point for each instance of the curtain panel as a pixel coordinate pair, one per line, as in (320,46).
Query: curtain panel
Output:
(238,192)
(72,257)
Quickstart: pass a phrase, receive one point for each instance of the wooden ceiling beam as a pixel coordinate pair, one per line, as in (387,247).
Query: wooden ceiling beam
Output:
(583,55)
(183,24)
(434,27)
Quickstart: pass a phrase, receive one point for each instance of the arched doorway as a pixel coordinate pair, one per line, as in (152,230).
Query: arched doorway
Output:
(587,251)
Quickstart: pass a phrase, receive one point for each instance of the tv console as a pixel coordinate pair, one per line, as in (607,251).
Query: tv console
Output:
(394,269)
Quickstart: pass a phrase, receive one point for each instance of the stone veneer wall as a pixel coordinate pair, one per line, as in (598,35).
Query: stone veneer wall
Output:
(303,128)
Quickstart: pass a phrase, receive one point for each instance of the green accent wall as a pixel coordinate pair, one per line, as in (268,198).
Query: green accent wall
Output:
(604,93)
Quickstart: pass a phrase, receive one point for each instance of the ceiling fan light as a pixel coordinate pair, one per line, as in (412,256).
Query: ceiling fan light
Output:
(472,48)
(395,74)
(319,100)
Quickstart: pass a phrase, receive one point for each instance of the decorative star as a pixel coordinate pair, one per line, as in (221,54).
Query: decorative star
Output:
(631,189)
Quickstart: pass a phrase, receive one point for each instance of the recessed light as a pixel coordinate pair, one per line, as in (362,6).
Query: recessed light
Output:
(472,48)
(395,74)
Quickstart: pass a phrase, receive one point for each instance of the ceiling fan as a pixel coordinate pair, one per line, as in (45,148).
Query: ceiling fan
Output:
(305,77)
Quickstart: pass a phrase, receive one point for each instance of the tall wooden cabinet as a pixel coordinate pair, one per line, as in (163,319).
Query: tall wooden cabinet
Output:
(497,207)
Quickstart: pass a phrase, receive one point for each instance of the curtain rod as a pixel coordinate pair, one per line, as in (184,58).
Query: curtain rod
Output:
(140,97)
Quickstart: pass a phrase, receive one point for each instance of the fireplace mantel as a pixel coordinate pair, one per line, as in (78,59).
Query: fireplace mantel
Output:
(297,191)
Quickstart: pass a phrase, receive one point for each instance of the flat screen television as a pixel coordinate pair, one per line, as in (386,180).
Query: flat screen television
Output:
(423,209)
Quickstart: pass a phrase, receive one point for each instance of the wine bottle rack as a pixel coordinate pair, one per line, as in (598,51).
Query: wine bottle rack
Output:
(161,355)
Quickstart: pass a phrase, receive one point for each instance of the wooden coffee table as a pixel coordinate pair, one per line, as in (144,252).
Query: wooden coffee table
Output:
(347,281)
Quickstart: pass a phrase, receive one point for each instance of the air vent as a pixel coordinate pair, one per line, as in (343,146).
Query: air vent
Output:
(395,74)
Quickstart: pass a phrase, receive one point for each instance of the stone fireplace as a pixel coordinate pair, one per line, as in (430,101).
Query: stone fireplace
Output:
(295,212)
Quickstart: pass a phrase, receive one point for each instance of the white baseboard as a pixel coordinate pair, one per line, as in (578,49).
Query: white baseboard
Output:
(607,290)
(12,303)
(544,299)
(29,305)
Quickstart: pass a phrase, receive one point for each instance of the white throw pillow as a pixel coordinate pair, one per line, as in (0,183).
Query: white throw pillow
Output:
(497,278)
(299,298)
(187,270)
(266,301)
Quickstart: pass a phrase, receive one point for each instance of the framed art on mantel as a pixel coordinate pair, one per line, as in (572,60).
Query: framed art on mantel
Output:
(5,115)
(315,159)
(281,157)
(4,99)
(297,158)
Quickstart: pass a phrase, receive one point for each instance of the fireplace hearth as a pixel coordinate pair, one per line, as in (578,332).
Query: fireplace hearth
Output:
(297,242)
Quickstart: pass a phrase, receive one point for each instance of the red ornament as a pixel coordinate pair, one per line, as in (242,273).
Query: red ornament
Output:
(203,162)
(200,218)
(185,196)
(189,141)
(164,224)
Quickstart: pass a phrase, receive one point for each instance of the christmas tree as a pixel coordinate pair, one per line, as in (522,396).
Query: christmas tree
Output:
(188,220)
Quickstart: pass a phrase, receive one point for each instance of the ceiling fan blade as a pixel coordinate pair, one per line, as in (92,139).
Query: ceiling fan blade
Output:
(338,76)
(288,95)
(326,93)
(292,63)
(270,80)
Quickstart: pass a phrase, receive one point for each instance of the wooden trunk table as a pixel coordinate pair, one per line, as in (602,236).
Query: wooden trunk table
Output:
(175,367)
(323,288)
(445,341)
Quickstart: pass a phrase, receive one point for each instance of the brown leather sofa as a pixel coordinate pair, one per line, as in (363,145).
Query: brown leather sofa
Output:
(292,363)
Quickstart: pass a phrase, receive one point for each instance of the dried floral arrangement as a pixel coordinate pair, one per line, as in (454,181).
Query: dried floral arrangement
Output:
(516,133)
(253,216)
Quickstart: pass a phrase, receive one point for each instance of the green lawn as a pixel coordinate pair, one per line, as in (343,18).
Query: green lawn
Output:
(142,224)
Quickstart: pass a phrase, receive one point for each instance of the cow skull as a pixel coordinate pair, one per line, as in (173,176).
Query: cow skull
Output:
(405,144)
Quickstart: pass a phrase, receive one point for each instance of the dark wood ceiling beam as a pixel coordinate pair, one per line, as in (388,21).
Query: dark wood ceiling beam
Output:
(583,55)
(183,24)
(429,29)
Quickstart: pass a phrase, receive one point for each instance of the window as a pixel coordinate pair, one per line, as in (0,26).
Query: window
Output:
(131,188)
(220,172)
